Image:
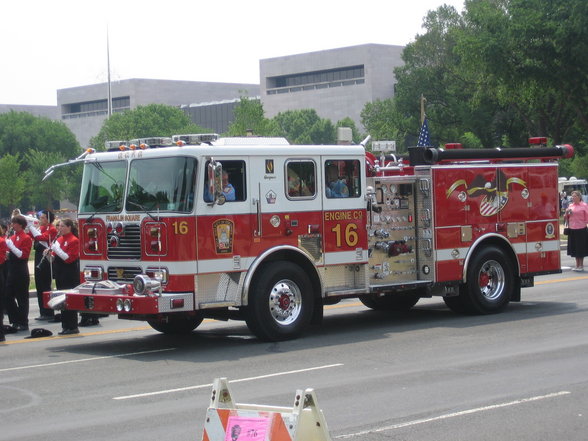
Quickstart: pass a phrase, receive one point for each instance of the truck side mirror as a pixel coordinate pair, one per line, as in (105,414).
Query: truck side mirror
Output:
(215,182)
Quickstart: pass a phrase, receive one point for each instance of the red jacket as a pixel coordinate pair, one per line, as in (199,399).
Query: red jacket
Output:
(71,246)
(23,242)
(48,234)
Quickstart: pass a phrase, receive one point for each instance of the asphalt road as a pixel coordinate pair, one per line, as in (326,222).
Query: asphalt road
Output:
(425,375)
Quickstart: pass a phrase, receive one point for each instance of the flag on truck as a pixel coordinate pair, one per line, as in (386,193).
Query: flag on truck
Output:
(424,139)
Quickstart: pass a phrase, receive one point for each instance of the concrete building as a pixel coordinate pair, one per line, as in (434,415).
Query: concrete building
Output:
(50,112)
(84,109)
(213,115)
(337,83)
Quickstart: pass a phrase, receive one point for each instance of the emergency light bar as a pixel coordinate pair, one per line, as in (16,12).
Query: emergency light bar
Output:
(145,143)
(115,145)
(197,138)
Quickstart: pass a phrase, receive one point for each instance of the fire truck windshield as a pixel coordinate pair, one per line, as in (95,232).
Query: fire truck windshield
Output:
(162,184)
(102,187)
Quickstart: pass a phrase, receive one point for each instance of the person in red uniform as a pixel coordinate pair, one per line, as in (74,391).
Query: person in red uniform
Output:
(17,283)
(44,237)
(66,264)
(3,251)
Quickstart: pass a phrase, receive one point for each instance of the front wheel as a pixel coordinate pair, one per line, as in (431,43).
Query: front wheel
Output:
(280,302)
(176,324)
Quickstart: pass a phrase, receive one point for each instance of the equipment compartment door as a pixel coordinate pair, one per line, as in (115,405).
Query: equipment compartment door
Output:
(392,232)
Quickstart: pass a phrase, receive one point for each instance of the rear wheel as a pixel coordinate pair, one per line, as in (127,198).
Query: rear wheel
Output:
(392,302)
(489,285)
(176,324)
(280,302)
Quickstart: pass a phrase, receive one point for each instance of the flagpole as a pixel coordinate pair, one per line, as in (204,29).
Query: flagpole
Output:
(108,67)
(423,101)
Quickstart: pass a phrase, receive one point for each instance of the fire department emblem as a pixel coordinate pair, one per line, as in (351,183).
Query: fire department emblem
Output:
(495,193)
(270,197)
(223,236)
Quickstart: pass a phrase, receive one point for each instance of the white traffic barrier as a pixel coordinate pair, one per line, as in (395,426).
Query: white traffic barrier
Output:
(230,421)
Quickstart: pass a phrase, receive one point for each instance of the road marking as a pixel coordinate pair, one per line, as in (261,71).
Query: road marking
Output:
(82,334)
(455,414)
(567,279)
(241,380)
(57,363)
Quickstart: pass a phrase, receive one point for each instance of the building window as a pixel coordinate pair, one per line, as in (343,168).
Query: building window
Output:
(316,80)
(94,108)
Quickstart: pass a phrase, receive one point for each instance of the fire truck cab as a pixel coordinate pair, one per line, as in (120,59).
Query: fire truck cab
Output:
(177,230)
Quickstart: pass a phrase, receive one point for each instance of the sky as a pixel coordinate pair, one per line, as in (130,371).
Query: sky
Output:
(51,45)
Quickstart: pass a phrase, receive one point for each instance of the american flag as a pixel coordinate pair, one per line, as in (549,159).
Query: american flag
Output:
(424,139)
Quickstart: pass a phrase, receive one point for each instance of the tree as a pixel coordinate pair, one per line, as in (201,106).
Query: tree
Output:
(348,122)
(305,127)
(145,121)
(64,183)
(383,121)
(12,183)
(21,132)
(456,103)
(42,143)
(531,55)
(250,117)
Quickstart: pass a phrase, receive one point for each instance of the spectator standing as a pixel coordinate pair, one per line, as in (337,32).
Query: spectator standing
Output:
(17,283)
(66,264)
(577,217)
(44,237)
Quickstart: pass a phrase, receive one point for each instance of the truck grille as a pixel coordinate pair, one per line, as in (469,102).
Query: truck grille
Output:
(122,274)
(129,244)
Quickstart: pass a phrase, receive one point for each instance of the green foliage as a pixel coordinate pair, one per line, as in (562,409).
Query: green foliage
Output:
(383,121)
(305,127)
(578,167)
(29,145)
(502,71)
(530,54)
(12,183)
(21,132)
(470,141)
(143,122)
(250,117)
(348,122)
(64,183)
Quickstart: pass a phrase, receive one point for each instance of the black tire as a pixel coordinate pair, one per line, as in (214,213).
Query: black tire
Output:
(490,282)
(392,302)
(176,324)
(280,302)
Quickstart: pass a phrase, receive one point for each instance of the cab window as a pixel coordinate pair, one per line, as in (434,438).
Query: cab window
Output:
(342,178)
(300,179)
(234,183)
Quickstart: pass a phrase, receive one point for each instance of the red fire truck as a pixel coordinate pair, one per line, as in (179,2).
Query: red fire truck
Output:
(177,230)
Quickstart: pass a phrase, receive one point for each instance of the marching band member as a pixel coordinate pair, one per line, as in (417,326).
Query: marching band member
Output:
(44,235)
(3,252)
(66,252)
(17,283)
